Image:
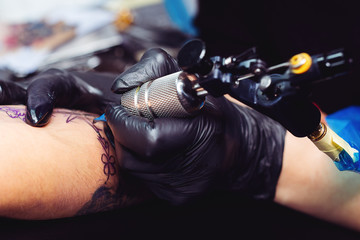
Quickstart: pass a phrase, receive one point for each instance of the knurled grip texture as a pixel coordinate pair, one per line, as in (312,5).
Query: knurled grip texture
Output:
(158,98)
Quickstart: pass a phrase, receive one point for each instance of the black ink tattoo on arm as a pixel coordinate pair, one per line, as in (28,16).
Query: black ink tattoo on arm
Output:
(127,192)
(105,198)
(106,158)
(102,200)
(14,112)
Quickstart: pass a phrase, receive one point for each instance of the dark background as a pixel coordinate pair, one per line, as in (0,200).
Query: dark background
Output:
(280,29)
(215,217)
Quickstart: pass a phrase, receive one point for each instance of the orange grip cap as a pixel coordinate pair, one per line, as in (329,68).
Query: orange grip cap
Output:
(300,63)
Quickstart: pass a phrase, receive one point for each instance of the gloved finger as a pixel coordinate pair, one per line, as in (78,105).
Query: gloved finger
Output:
(154,63)
(44,92)
(11,93)
(149,139)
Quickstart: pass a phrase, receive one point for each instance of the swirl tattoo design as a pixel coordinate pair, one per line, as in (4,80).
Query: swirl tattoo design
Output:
(13,112)
(106,158)
(111,194)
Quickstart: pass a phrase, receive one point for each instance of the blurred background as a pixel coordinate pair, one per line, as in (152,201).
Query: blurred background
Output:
(100,35)
(110,36)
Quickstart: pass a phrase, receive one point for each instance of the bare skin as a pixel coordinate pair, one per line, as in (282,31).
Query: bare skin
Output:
(311,183)
(64,169)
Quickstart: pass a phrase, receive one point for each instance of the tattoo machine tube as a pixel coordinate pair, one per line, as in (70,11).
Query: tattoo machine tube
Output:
(326,140)
(172,95)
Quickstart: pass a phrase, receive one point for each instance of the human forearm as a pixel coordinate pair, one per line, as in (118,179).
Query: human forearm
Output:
(310,182)
(65,169)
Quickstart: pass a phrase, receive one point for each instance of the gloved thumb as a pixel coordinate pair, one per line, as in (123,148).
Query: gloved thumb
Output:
(149,139)
(154,63)
(10,93)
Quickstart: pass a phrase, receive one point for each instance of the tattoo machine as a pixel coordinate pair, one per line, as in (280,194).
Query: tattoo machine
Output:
(280,92)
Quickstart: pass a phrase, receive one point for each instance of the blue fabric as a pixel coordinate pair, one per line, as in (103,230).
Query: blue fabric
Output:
(180,16)
(346,123)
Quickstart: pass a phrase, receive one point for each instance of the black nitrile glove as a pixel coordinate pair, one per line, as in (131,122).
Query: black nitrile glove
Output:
(88,91)
(12,93)
(225,147)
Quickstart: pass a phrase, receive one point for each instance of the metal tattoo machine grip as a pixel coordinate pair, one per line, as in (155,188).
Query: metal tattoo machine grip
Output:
(169,96)
(175,95)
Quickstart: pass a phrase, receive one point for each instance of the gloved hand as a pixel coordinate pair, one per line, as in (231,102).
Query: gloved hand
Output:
(225,147)
(11,93)
(88,91)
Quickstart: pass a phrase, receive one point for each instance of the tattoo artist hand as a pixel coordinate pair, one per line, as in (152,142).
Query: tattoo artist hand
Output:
(11,93)
(59,88)
(225,147)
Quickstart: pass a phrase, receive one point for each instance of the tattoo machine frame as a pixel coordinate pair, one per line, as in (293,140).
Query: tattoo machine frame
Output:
(280,92)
